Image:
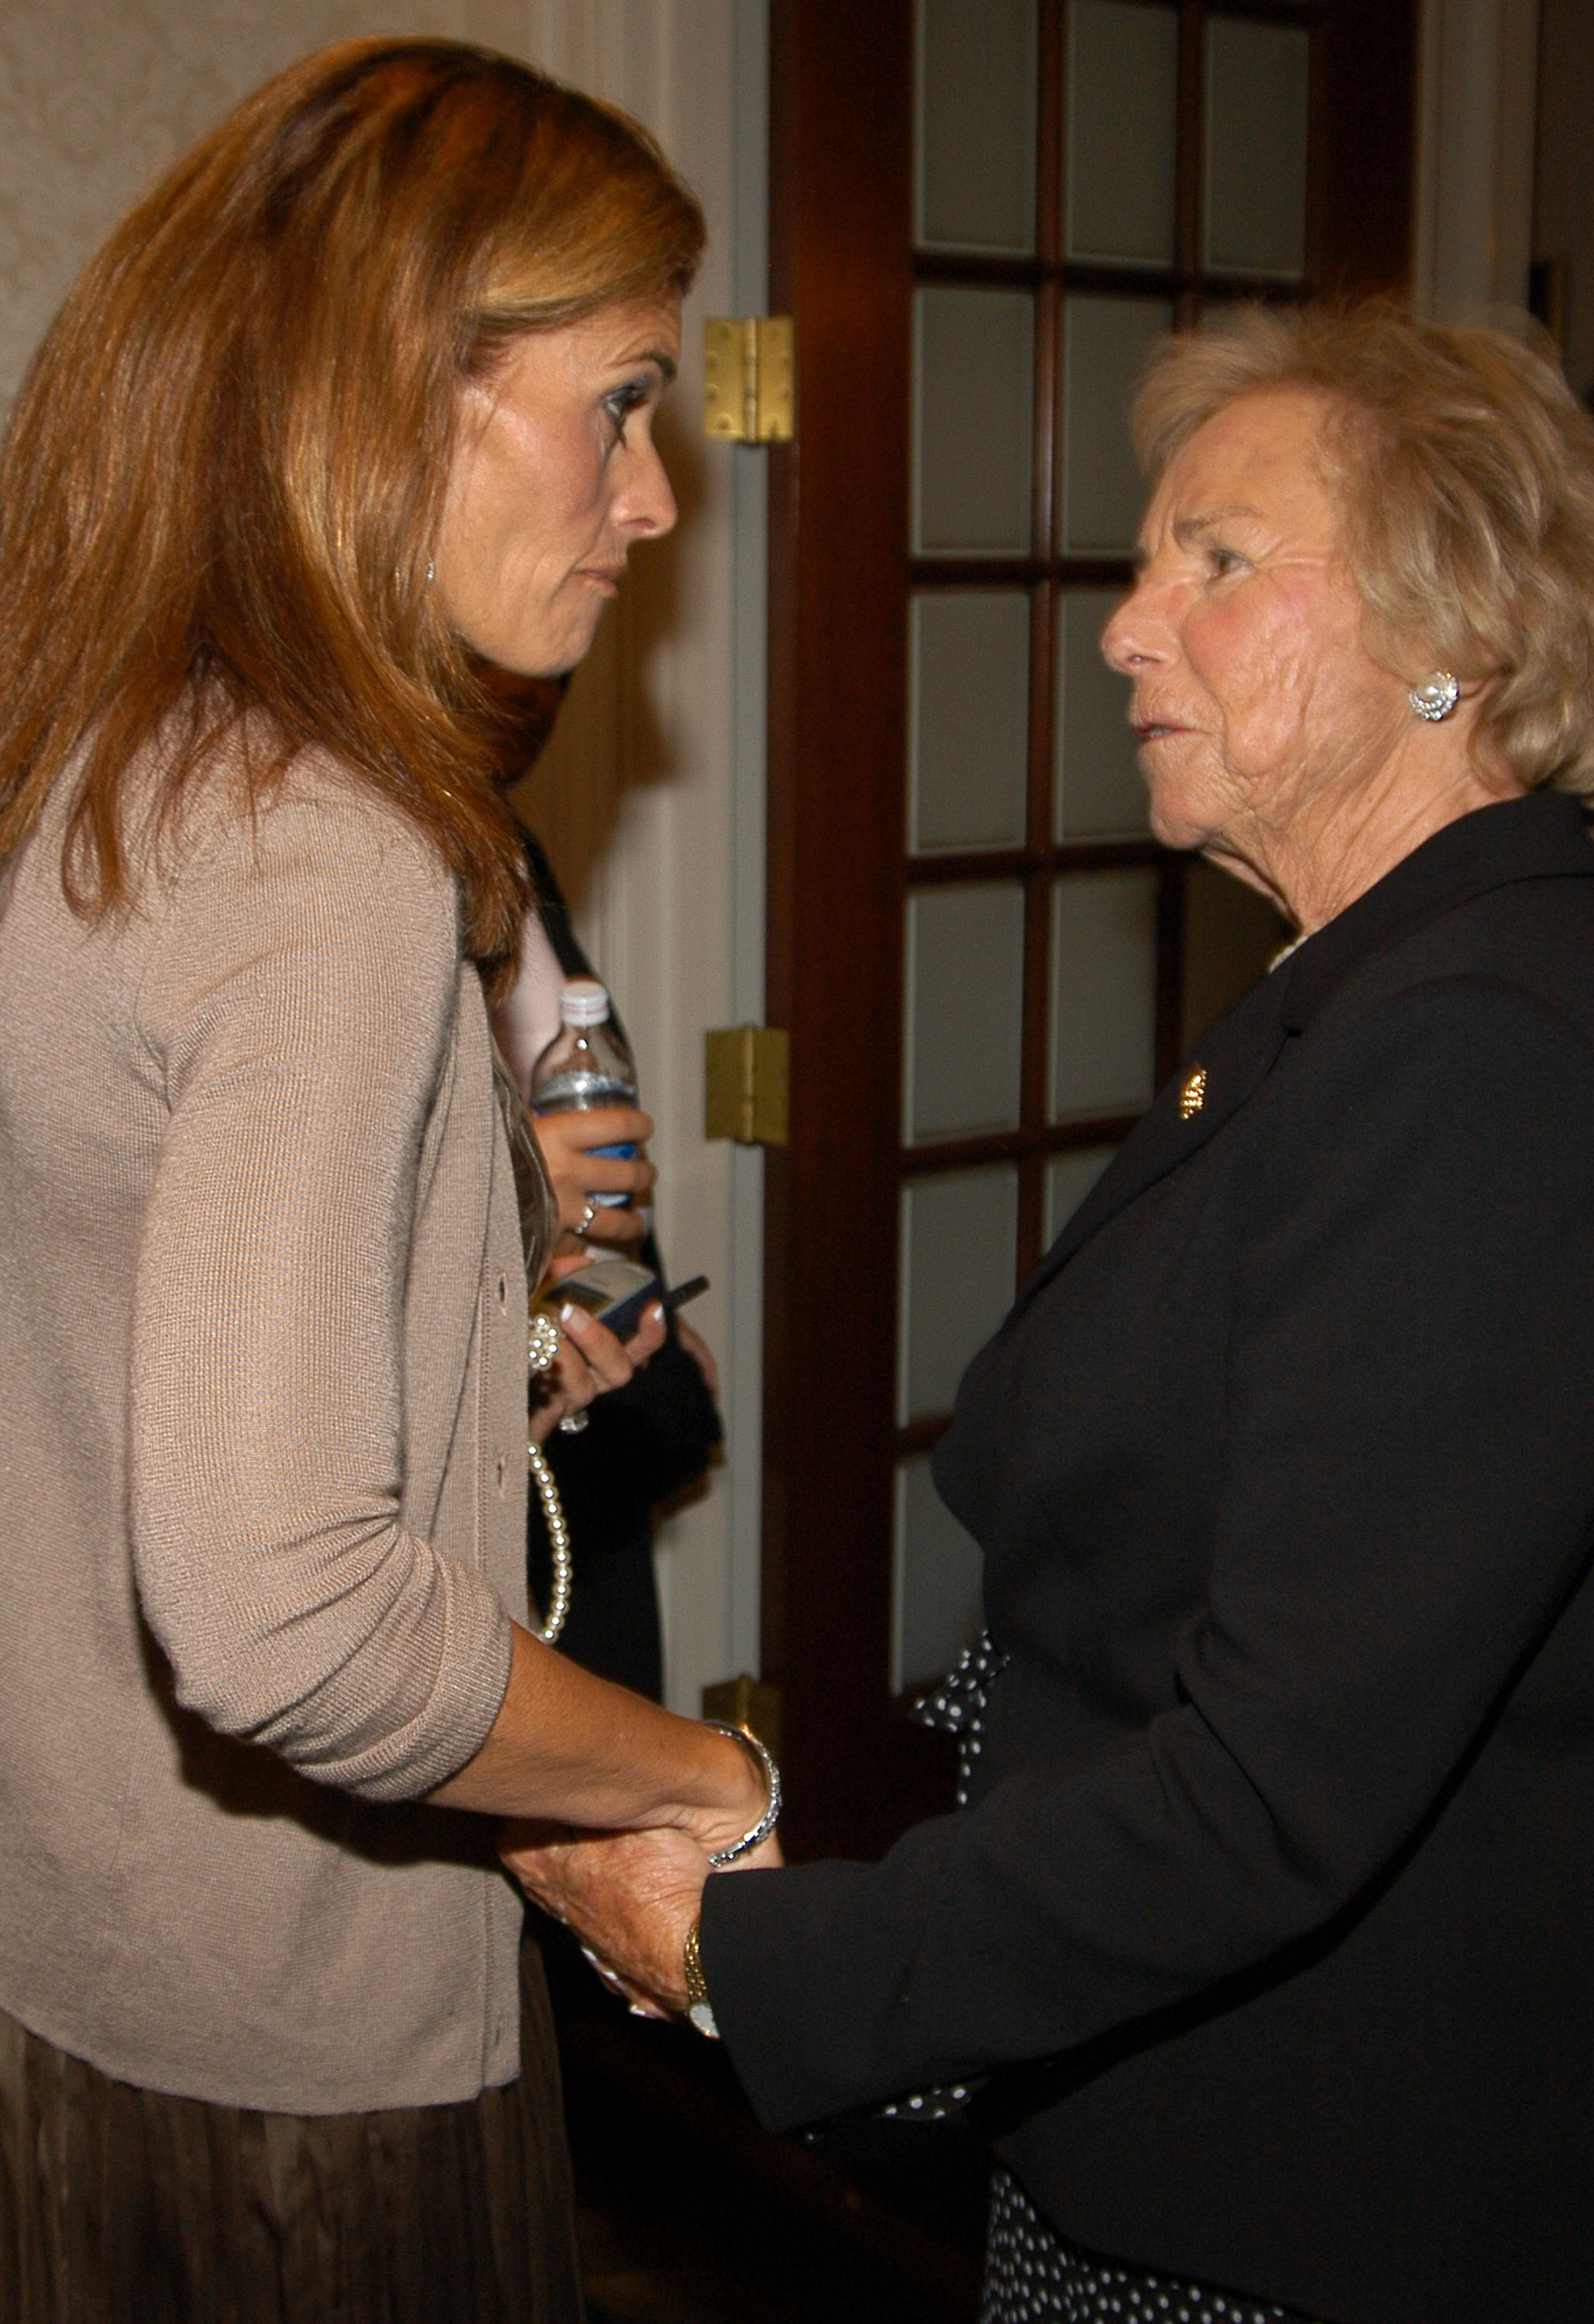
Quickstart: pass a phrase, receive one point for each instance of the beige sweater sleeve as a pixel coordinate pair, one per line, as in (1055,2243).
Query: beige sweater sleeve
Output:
(297,1006)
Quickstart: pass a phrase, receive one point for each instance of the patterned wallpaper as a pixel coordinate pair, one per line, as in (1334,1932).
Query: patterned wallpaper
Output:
(96,94)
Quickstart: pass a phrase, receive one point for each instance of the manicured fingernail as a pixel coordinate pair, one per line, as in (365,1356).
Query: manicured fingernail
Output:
(656,1313)
(567,1313)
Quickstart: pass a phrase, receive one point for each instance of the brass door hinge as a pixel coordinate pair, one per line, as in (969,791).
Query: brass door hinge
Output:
(749,371)
(744,1085)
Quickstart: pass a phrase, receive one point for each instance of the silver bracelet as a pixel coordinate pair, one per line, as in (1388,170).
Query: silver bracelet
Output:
(766,1823)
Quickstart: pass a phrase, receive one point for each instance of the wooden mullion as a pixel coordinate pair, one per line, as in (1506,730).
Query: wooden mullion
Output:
(1048,319)
(1032,1215)
(983,267)
(1077,572)
(975,572)
(1272,11)
(1317,153)
(1263,289)
(1169,1033)
(1021,864)
(1187,162)
(1051,70)
(1117,276)
(1034,1024)
(1015,1145)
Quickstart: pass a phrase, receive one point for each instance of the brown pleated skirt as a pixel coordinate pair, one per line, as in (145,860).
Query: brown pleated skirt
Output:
(121,2206)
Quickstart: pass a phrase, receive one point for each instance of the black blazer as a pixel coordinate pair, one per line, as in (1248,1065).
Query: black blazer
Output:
(1274,1904)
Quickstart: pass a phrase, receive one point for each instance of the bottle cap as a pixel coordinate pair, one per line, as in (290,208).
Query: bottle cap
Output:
(584,1002)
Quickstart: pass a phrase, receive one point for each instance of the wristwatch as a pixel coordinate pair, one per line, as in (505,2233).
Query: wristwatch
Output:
(699,2008)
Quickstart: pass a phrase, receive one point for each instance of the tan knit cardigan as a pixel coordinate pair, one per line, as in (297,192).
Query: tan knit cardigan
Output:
(262,1380)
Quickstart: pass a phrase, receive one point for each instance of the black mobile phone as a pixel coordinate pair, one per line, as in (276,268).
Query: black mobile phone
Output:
(614,1290)
(683,1292)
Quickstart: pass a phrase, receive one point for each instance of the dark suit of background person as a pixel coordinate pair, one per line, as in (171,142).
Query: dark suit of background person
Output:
(1282,1841)
(643,1443)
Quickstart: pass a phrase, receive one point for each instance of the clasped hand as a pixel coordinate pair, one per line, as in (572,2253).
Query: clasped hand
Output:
(631,1897)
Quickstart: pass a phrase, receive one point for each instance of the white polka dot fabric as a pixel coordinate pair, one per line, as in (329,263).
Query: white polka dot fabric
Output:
(959,1704)
(1033,2277)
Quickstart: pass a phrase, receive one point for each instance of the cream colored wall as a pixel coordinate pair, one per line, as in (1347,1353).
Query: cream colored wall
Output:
(649,798)
(659,742)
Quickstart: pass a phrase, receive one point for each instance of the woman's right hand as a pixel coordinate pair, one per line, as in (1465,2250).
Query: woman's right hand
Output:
(577,1174)
(590,1361)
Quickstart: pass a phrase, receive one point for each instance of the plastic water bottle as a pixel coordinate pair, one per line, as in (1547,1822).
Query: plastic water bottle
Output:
(586,1064)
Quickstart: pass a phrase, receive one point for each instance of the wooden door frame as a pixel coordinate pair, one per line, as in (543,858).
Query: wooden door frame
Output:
(840,225)
(840,262)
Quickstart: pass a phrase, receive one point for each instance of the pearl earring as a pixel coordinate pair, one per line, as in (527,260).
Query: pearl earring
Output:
(1436,697)
(431,572)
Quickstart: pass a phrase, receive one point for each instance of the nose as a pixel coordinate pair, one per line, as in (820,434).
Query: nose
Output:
(648,506)
(1137,630)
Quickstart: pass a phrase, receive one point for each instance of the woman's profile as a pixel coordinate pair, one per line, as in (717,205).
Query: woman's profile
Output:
(355,405)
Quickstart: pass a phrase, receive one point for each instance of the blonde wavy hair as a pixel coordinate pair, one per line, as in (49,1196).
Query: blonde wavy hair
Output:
(220,486)
(1464,467)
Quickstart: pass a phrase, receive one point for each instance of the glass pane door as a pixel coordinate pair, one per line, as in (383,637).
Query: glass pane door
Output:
(1089,174)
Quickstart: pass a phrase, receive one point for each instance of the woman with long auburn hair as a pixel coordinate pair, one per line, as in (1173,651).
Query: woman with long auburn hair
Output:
(348,417)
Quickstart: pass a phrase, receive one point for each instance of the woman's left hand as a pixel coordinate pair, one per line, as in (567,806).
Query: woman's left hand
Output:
(591,1360)
(577,1173)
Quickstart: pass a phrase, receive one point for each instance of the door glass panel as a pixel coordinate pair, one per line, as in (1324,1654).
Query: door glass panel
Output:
(937,1606)
(1124,66)
(969,719)
(1103,992)
(965,956)
(959,1231)
(973,421)
(1099,792)
(1221,315)
(1069,1179)
(1105,345)
(1230,934)
(976,124)
(1256,146)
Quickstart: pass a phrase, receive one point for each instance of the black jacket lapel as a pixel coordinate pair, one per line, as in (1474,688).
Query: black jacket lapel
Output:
(1542,837)
(1234,1058)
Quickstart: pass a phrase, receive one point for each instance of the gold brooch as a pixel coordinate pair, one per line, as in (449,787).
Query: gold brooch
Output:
(1193,1091)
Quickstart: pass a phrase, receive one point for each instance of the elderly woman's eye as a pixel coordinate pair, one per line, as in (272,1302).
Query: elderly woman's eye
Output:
(1224,561)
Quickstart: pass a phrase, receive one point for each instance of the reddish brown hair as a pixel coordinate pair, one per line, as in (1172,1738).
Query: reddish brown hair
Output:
(226,465)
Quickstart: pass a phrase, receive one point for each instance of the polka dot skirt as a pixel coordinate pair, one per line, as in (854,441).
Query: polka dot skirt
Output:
(959,1704)
(1033,2277)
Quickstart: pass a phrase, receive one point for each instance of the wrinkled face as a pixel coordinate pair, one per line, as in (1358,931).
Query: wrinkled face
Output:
(554,476)
(1254,694)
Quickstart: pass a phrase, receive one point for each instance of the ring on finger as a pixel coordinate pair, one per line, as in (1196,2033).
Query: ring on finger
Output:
(574,1422)
(587,1216)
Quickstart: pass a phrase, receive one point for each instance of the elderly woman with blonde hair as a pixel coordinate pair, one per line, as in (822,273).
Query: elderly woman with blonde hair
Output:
(353,408)
(1265,1929)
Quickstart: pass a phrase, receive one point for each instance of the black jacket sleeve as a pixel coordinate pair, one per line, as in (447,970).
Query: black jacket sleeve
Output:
(1402,1508)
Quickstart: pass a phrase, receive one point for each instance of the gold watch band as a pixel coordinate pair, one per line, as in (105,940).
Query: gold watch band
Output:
(699,2008)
